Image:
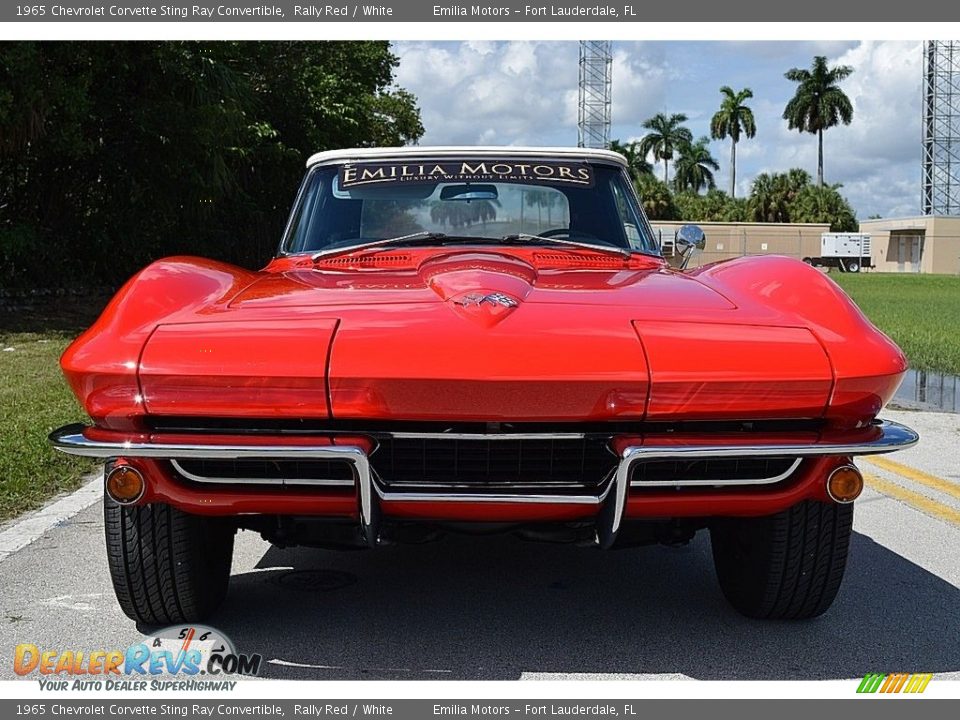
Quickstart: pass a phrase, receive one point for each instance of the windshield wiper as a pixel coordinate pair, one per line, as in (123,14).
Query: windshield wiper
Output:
(526,237)
(399,240)
(428,235)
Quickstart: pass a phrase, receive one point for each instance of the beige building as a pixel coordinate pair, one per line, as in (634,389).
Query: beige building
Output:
(733,239)
(926,244)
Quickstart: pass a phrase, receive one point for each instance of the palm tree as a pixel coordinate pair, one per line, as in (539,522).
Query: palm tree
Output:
(819,103)
(793,181)
(824,204)
(767,201)
(657,200)
(732,119)
(543,199)
(667,134)
(464,214)
(773,197)
(693,168)
(637,164)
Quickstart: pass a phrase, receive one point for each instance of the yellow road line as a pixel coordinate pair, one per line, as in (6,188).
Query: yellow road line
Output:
(917,476)
(914,499)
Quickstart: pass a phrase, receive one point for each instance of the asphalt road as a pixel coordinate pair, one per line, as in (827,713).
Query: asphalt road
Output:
(502,608)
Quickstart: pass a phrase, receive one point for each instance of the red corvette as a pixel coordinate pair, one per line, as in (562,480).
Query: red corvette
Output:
(463,339)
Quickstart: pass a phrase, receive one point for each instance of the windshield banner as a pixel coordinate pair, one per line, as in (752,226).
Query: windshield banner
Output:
(526,171)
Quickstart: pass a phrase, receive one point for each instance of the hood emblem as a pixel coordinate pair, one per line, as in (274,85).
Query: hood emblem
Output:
(482,307)
(479,299)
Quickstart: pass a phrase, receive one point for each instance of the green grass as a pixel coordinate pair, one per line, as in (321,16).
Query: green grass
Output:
(920,312)
(34,399)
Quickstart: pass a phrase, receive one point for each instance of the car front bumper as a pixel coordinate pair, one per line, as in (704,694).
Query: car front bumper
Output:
(369,500)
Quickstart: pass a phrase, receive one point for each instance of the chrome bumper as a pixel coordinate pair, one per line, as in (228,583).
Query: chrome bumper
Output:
(888,437)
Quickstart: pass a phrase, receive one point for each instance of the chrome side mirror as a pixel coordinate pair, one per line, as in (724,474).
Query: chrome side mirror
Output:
(690,239)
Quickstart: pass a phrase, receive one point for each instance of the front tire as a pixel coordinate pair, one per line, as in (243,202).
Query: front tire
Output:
(783,566)
(167,566)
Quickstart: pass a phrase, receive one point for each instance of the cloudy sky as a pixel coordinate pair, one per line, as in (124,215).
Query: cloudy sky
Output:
(525,93)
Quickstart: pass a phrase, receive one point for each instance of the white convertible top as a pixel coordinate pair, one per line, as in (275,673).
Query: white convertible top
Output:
(466,151)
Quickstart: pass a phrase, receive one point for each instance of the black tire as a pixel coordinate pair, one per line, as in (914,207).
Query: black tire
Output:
(167,566)
(783,566)
(853,266)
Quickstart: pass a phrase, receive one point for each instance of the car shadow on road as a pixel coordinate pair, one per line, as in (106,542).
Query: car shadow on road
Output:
(498,608)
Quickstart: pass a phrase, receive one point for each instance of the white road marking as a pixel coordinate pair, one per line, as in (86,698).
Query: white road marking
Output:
(73,602)
(311,666)
(291,663)
(33,526)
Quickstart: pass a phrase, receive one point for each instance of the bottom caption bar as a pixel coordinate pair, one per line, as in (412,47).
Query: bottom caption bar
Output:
(785,708)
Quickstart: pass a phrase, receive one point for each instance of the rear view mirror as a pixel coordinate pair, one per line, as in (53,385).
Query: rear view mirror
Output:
(469,192)
(690,238)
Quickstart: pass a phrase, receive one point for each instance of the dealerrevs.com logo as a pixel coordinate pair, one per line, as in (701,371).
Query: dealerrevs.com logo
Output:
(180,657)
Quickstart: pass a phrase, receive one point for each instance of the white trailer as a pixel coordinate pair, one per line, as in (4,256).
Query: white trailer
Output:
(847,251)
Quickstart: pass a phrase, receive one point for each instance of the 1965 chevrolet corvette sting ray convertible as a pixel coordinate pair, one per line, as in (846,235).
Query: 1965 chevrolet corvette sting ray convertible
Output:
(471,339)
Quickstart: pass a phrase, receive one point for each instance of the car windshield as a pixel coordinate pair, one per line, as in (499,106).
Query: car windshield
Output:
(491,200)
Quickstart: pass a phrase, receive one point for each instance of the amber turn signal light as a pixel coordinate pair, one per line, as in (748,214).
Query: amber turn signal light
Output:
(125,484)
(845,484)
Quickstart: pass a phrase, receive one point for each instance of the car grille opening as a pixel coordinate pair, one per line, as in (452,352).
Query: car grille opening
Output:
(268,472)
(476,464)
(495,458)
(705,471)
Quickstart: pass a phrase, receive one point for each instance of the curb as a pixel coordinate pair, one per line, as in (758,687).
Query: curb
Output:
(33,526)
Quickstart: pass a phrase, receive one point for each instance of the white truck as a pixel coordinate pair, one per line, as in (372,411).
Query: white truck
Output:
(847,251)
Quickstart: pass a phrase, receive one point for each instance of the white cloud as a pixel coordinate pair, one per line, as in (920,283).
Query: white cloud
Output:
(884,90)
(640,76)
(521,92)
(526,93)
(878,155)
(493,93)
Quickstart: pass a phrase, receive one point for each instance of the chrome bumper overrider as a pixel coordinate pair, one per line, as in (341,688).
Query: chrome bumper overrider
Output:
(887,437)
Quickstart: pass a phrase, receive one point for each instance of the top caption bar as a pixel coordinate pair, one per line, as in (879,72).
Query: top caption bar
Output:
(502,11)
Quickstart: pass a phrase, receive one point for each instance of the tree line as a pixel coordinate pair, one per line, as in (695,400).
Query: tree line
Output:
(116,153)
(817,105)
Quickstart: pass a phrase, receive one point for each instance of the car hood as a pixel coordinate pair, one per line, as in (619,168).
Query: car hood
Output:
(481,335)
(537,277)
(488,335)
